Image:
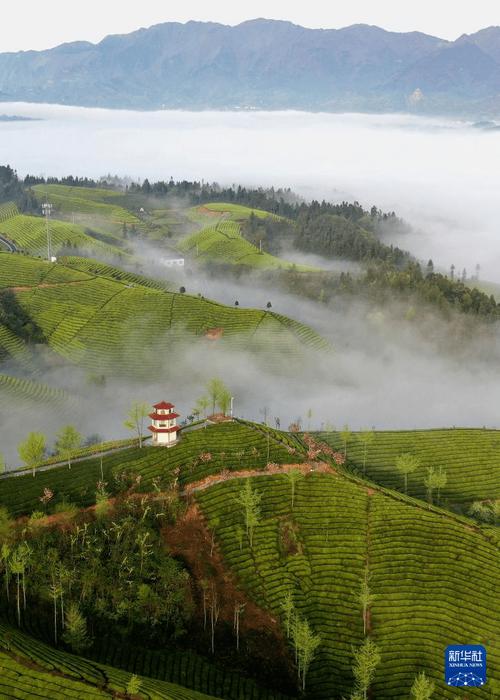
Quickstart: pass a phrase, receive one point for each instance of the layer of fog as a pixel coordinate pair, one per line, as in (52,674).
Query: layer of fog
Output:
(441,175)
(384,371)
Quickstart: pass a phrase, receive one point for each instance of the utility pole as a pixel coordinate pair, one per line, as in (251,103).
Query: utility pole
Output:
(47,209)
(232,402)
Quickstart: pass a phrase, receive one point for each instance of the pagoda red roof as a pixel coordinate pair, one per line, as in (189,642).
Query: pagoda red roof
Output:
(174,429)
(163,416)
(163,405)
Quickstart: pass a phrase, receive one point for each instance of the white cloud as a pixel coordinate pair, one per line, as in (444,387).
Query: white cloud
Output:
(441,175)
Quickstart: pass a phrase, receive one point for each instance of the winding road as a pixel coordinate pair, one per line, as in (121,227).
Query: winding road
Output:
(11,247)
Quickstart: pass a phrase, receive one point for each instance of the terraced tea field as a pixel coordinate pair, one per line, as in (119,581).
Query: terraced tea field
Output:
(29,233)
(224,243)
(93,202)
(31,669)
(18,392)
(100,269)
(471,458)
(23,271)
(118,325)
(231,446)
(435,580)
(182,669)
(216,211)
(7,211)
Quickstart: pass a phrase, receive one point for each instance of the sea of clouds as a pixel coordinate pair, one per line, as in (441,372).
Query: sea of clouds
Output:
(441,175)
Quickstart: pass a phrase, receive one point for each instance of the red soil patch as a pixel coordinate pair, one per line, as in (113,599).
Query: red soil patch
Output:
(209,212)
(214,333)
(219,418)
(191,540)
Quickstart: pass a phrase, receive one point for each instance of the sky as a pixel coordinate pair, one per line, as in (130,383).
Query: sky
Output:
(56,21)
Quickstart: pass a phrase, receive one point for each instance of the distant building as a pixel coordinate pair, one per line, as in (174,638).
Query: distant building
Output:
(164,424)
(172,262)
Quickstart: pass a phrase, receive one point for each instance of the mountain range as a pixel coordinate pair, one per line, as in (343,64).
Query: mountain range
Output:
(264,64)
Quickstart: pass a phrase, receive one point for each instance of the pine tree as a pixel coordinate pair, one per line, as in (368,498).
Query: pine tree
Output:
(366,660)
(75,631)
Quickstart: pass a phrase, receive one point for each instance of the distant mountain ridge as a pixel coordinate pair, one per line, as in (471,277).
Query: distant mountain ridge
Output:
(264,64)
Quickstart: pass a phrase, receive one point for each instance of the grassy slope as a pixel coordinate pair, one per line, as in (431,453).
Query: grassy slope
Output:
(31,669)
(435,579)
(109,324)
(471,459)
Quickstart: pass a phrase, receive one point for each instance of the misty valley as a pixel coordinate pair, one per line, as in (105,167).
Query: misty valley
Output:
(249,440)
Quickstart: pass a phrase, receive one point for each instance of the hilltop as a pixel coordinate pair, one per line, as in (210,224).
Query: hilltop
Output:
(221,239)
(263,64)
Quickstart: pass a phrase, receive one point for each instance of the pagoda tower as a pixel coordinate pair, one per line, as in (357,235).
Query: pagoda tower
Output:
(164,424)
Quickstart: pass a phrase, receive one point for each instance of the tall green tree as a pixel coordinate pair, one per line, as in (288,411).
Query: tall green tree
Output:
(305,643)
(293,477)
(75,630)
(32,450)
(55,592)
(366,660)
(215,390)
(440,479)
(435,479)
(18,564)
(288,610)
(136,418)
(406,464)
(224,401)
(422,688)
(68,440)
(250,499)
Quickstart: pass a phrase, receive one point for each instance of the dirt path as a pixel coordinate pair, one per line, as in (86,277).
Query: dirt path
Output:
(271,469)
